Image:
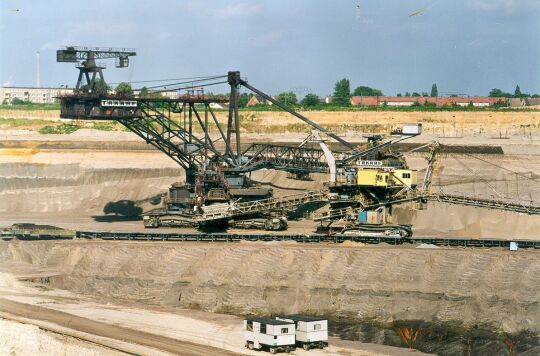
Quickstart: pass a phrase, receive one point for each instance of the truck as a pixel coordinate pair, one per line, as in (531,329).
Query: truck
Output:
(311,331)
(269,334)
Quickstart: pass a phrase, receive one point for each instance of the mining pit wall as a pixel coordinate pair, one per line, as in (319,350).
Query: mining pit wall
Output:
(369,293)
(61,185)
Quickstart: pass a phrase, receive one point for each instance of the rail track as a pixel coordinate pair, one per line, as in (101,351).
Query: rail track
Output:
(301,238)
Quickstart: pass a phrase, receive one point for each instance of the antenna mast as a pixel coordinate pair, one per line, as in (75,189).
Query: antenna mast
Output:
(38,79)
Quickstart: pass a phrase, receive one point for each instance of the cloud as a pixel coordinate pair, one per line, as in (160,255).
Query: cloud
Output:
(54,45)
(102,27)
(240,9)
(164,36)
(267,38)
(508,6)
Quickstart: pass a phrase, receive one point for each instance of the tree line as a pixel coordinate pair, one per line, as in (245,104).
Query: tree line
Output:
(341,95)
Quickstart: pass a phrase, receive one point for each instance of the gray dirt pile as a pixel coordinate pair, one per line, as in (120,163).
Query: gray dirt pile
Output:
(493,289)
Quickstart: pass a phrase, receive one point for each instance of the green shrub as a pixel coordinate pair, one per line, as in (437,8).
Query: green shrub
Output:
(26,105)
(59,129)
(104,126)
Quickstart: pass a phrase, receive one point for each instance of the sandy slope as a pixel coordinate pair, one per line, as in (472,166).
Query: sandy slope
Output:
(65,185)
(445,123)
(495,288)
(26,339)
(131,327)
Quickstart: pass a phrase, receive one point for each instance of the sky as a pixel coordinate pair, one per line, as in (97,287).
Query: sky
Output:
(464,46)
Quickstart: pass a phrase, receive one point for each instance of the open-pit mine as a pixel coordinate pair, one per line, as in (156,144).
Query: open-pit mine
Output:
(160,237)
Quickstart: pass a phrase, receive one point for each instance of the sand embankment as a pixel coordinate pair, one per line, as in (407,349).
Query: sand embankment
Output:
(63,184)
(441,123)
(495,290)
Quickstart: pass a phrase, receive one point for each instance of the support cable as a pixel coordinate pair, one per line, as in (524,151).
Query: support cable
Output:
(170,79)
(189,82)
(482,179)
(188,87)
(504,168)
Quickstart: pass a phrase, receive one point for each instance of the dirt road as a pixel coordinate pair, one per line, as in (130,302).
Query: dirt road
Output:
(106,330)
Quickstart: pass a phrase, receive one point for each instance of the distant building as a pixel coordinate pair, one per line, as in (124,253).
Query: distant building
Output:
(32,94)
(521,102)
(219,105)
(257,100)
(49,95)
(365,100)
(475,101)
(253,101)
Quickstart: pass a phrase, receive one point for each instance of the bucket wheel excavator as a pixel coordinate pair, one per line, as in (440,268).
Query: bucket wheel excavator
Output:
(364,181)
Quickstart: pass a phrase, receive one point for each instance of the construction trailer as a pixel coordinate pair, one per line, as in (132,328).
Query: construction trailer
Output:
(311,331)
(269,334)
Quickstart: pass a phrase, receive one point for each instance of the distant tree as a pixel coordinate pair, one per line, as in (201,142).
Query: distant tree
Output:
(517,92)
(416,94)
(407,94)
(425,94)
(155,94)
(144,92)
(17,101)
(342,93)
(434,91)
(310,100)
(398,94)
(124,89)
(243,100)
(287,98)
(100,87)
(498,93)
(367,91)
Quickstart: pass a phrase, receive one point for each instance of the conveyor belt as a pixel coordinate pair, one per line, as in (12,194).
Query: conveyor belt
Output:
(264,205)
(486,203)
(301,238)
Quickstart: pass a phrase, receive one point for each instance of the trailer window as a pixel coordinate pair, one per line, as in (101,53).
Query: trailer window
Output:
(263,328)
(406,175)
(284,330)
(317,326)
(249,326)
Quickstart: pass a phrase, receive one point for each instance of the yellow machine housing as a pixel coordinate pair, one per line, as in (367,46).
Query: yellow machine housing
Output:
(405,176)
(386,178)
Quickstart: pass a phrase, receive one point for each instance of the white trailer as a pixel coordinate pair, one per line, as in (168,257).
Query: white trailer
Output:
(310,331)
(411,129)
(269,334)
